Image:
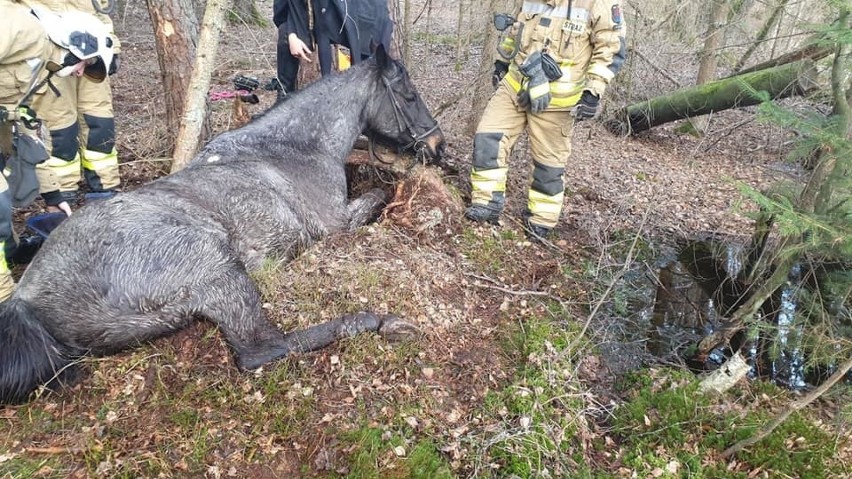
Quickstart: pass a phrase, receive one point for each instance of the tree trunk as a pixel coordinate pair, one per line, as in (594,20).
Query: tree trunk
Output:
(396,46)
(761,34)
(833,166)
(712,42)
(245,12)
(483,89)
(709,54)
(195,109)
(779,82)
(406,32)
(462,39)
(175,36)
(816,201)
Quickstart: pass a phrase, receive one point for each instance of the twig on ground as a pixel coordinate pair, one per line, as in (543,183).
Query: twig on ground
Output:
(720,134)
(497,286)
(793,407)
(152,160)
(625,267)
(465,93)
(656,68)
(56,450)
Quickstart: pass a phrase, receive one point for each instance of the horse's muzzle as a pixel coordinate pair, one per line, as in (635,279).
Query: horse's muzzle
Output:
(435,144)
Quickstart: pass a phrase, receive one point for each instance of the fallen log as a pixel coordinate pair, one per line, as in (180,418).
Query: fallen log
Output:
(812,51)
(779,82)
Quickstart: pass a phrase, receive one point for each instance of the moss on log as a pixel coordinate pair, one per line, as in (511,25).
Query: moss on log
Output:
(780,82)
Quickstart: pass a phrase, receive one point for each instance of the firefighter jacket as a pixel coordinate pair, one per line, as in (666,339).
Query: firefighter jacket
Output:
(24,48)
(23,42)
(86,6)
(585,37)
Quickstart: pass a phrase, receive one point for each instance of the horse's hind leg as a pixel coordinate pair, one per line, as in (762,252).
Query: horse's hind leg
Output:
(233,303)
(365,208)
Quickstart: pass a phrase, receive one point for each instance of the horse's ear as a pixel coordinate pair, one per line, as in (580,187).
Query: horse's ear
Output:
(382,57)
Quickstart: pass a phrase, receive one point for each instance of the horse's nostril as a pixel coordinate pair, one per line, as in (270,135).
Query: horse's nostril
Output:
(436,145)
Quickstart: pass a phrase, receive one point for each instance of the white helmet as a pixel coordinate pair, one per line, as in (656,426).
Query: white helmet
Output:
(84,36)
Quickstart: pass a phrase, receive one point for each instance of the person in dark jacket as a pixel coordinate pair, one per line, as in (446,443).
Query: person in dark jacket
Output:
(359,25)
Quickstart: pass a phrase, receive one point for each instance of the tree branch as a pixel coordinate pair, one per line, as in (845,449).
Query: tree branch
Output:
(195,108)
(793,407)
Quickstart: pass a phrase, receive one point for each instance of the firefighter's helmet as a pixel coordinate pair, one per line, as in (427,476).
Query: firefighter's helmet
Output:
(85,38)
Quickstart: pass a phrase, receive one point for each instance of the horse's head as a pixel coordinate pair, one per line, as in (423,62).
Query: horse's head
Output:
(398,114)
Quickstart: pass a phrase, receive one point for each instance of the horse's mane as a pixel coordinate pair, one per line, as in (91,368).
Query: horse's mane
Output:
(296,99)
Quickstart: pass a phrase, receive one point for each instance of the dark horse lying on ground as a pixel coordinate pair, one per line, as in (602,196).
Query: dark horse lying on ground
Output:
(146,263)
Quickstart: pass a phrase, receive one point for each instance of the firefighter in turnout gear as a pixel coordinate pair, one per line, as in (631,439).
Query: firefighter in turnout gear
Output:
(80,119)
(555,60)
(27,56)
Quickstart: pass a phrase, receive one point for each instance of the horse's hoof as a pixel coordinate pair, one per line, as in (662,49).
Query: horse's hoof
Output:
(378,194)
(395,329)
(254,357)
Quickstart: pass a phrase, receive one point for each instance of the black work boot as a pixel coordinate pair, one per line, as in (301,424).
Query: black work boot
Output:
(27,248)
(281,97)
(273,85)
(100,195)
(536,233)
(482,214)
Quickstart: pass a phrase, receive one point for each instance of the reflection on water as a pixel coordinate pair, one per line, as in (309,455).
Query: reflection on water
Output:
(789,366)
(700,288)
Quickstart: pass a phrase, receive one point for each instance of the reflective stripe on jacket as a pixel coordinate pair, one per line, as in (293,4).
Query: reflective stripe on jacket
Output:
(586,38)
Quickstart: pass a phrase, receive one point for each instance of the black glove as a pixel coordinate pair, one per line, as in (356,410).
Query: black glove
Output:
(4,114)
(587,107)
(537,92)
(114,64)
(500,70)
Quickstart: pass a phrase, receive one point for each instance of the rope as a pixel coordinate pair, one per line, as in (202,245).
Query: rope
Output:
(227,95)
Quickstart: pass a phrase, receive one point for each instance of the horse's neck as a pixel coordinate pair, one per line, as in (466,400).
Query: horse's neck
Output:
(326,117)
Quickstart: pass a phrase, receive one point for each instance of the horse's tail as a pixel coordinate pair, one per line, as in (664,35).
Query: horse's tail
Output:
(29,355)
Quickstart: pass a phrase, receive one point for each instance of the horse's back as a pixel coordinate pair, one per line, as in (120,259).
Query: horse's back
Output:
(156,244)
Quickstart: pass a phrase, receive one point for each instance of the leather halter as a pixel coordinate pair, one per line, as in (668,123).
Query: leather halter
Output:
(402,120)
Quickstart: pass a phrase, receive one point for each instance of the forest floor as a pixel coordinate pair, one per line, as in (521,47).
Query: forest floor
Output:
(522,369)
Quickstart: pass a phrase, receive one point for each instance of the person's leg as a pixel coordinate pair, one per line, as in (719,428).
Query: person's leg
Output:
(287,64)
(97,135)
(58,176)
(324,51)
(550,142)
(499,128)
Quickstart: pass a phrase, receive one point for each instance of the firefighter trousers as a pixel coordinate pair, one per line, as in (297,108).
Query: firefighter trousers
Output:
(82,134)
(550,142)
